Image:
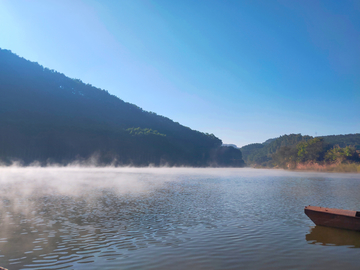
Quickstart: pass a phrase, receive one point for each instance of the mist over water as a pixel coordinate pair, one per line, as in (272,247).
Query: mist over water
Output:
(171,218)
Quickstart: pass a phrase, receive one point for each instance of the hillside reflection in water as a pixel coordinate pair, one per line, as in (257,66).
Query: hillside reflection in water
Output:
(87,218)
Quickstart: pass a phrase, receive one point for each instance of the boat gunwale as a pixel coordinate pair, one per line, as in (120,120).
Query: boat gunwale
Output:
(332,211)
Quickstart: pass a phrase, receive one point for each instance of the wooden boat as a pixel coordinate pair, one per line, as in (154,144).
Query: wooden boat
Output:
(332,217)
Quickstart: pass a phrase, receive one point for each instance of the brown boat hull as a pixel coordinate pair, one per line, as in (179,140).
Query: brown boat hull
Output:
(331,217)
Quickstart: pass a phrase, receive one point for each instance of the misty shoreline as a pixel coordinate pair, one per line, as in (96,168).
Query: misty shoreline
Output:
(315,167)
(249,171)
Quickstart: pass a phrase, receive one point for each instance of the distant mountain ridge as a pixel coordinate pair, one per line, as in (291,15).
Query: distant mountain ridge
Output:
(48,117)
(231,145)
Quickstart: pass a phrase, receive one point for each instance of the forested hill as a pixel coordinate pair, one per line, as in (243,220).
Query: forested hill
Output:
(48,117)
(296,148)
(261,153)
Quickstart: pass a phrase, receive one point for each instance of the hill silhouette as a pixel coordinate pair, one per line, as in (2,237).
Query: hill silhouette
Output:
(48,117)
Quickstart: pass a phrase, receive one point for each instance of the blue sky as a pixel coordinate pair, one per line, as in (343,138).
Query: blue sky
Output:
(243,70)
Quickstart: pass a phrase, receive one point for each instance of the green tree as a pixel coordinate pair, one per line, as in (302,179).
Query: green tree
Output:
(340,155)
(285,157)
(312,150)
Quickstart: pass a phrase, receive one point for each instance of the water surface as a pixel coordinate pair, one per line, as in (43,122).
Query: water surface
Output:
(112,218)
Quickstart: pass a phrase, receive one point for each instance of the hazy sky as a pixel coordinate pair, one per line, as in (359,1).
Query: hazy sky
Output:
(243,70)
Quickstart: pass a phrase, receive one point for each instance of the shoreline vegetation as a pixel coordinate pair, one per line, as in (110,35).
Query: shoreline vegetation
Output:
(316,167)
(337,167)
(339,153)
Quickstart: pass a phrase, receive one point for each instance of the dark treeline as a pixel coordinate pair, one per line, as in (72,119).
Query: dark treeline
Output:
(289,151)
(48,117)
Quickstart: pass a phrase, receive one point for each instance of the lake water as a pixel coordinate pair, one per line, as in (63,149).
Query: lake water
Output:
(111,218)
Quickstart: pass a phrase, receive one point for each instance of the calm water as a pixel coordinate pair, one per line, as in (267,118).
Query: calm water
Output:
(86,218)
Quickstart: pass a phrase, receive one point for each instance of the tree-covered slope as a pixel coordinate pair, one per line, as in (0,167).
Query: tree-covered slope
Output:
(261,154)
(289,150)
(344,140)
(48,117)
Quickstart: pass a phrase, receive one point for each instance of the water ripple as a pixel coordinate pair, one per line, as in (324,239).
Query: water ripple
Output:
(209,220)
